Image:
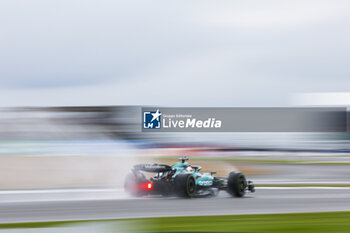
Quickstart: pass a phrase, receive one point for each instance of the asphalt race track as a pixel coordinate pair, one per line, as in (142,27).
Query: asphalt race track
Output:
(265,200)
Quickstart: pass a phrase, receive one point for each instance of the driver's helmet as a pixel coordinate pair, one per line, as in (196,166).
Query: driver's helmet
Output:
(189,169)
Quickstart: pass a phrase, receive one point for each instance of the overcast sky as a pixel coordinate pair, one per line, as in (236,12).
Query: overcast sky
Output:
(171,53)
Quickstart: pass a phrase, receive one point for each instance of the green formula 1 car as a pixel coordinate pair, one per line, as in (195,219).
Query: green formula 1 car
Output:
(183,180)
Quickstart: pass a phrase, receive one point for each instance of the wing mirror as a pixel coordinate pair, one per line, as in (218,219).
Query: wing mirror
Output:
(212,172)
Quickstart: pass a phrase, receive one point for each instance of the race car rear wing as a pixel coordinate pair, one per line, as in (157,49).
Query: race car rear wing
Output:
(152,167)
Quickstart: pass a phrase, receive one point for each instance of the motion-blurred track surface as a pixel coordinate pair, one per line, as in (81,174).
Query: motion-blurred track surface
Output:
(265,200)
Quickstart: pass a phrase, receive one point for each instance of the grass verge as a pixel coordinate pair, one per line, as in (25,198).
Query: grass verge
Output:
(326,222)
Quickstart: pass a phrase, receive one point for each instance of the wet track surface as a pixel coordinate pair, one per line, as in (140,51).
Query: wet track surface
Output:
(265,200)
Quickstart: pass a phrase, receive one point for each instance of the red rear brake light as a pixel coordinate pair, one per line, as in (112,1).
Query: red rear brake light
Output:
(146,186)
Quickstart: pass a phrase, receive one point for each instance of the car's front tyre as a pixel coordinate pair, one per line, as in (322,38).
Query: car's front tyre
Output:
(236,184)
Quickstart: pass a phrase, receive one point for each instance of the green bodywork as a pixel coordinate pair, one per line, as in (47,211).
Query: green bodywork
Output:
(202,179)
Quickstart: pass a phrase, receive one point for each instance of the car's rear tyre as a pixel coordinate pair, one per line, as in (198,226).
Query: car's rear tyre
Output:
(132,184)
(185,185)
(236,184)
(164,189)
